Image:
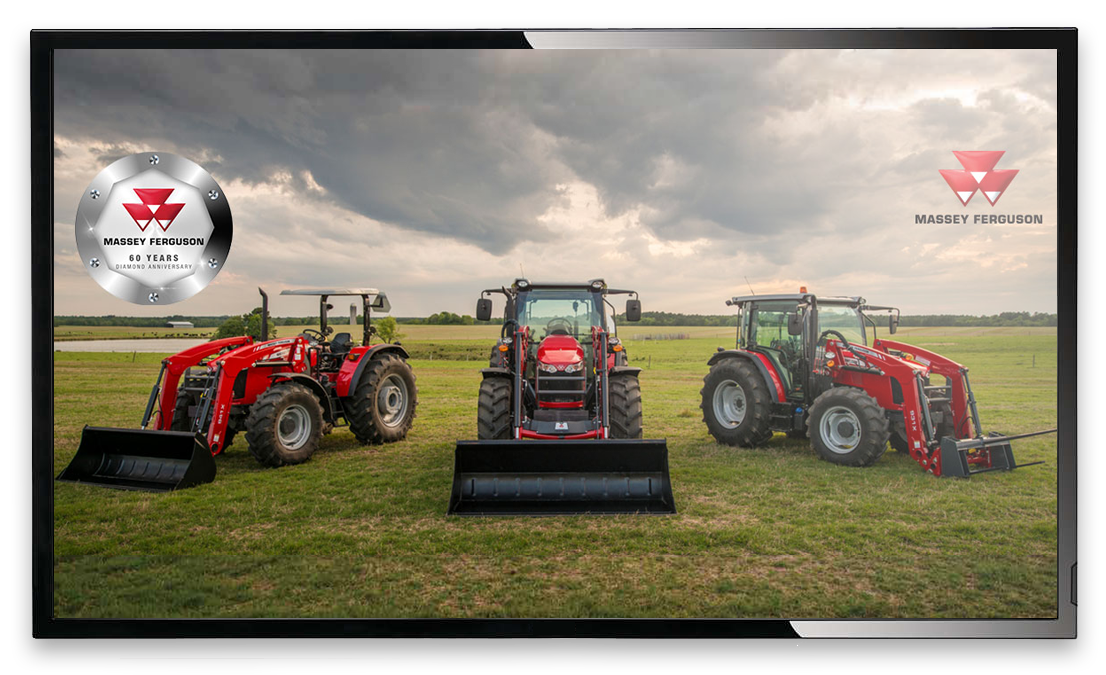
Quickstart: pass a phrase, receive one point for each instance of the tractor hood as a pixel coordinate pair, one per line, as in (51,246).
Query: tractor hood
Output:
(560,350)
(271,350)
(873,357)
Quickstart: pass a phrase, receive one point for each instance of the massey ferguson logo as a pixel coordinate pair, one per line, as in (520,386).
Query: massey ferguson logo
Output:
(153,266)
(154,207)
(978,174)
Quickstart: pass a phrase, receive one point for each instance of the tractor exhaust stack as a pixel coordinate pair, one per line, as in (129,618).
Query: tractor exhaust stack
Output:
(553,477)
(139,459)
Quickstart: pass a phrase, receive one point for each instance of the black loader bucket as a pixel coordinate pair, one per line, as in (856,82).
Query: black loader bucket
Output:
(538,477)
(140,459)
(999,454)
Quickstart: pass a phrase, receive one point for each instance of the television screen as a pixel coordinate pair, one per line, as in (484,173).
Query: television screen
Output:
(761,327)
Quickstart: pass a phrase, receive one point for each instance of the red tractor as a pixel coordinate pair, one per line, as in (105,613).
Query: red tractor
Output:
(559,413)
(283,393)
(803,366)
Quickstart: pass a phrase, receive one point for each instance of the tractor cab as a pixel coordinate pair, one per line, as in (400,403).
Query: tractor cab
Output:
(561,319)
(560,322)
(789,331)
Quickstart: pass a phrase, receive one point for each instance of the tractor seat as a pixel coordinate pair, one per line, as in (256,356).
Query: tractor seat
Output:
(775,356)
(341,343)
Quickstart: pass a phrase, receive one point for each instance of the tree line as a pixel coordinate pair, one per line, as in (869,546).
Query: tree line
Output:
(934,320)
(647,319)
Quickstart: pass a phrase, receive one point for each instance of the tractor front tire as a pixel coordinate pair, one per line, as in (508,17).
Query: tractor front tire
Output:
(847,426)
(182,421)
(898,439)
(735,403)
(382,407)
(284,425)
(493,412)
(947,425)
(625,408)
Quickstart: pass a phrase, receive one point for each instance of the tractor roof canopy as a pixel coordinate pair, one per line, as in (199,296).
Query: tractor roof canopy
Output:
(798,297)
(597,285)
(375,298)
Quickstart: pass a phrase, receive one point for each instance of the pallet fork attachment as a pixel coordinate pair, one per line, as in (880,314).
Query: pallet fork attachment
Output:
(994,453)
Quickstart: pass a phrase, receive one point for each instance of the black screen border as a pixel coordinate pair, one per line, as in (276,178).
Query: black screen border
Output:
(42,46)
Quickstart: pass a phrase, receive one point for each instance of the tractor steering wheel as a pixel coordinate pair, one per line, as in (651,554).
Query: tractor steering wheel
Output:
(559,321)
(784,346)
(311,331)
(834,333)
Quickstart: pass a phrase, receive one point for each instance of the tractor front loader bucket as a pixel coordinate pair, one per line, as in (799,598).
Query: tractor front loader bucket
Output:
(969,456)
(140,459)
(554,477)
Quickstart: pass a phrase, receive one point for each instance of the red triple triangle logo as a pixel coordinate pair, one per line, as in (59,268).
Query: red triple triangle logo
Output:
(153,207)
(979,174)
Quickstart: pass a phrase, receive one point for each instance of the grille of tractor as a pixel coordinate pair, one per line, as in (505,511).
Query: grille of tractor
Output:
(561,388)
(561,415)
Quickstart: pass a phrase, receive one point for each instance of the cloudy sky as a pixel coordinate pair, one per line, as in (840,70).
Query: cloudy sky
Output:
(680,173)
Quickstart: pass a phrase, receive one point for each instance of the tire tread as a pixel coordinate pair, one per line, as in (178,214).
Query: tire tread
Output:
(360,408)
(875,427)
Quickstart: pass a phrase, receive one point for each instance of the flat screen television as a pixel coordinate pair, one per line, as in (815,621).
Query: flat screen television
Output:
(691,333)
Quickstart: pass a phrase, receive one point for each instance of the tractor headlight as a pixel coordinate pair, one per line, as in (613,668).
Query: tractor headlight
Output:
(574,367)
(547,367)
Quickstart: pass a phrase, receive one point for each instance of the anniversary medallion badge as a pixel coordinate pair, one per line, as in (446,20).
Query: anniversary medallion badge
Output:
(153,228)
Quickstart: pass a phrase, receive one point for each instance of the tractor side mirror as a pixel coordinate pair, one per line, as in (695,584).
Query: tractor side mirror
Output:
(633,309)
(893,324)
(484,309)
(794,324)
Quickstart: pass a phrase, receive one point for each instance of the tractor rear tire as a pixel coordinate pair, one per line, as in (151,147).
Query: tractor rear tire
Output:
(625,408)
(847,426)
(382,407)
(182,421)
(284,425)
(493,412)
(736,403)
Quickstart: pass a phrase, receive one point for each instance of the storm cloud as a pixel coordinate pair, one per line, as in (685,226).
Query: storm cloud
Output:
(676,171)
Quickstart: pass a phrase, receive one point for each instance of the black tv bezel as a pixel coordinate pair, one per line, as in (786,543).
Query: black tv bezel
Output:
(42,46)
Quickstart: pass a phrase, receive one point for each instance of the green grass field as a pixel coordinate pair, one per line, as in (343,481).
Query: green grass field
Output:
(772,532)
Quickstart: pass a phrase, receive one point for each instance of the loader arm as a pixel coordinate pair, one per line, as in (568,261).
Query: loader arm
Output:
(958,388)
(968,450)
(261,361)
(175,366)
(602,380)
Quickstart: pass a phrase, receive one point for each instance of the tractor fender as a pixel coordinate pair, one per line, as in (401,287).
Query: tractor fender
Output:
(350,373)
(772,379)
(312,384)
(625,370)
(494,372)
